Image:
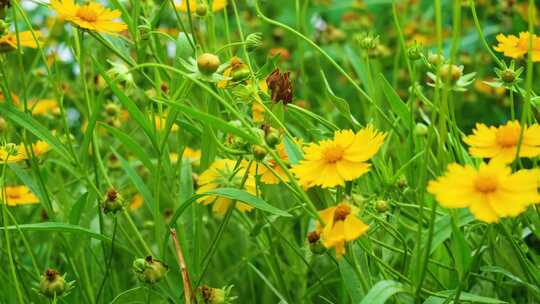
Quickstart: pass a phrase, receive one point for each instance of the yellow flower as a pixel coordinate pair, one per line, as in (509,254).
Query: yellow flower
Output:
(341,225)
(501,143)
(514,47)
(332,162)
(217,5)
(12,153)
(26,39)
(19,195)
(257,111)
(91,16)
(490,192)
(222,174)
(44,107)
(192,155)
(161,122)
(136,202)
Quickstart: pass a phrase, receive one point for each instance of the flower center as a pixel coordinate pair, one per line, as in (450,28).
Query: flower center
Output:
(87,14)
(508,136)
(486,184)
(341,212)
(333,154)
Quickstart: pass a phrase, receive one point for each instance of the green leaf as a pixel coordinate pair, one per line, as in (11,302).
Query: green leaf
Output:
(250,199)
(341,104)
(460,250)
(131,145)
(134,112)
(77,209)
(382,291)
(351,281)
(137,182)
(294,153)
(464,296)
(211,120)
(398,106)
(33,126)
(62,227)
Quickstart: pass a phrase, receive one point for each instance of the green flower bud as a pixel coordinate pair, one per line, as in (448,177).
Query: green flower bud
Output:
(381,206)
(435,59)
(508,76)
(112,109)
(3,27)
(211,295)
(201,10)
(315,244)
(450,73)
(150,270)
(414,52)
(253,41)
(259,152)
(208,63)
(53,285)
(420,129)
(240,74)
(112,202)
(272,137)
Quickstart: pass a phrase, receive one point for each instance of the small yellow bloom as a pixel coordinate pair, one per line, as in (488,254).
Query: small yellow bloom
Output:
(12,153)
(222,174)
(501,143)
(44,107)
(332,162)
(341,225)
(136,202)
(490,192)
(91,16)
(161,122)
(217,5)
(19,195)
(26,39)
(191,155)
(516,47)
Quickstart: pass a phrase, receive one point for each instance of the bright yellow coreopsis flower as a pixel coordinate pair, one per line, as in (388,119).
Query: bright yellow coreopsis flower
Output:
(44,107)
(332,162)
(19,195)
(217,5)
(267,176)
(91,16)
(341,225)
(490,192)
(501,143)
(222,174)
(516,47)
(26,39)
(12,153)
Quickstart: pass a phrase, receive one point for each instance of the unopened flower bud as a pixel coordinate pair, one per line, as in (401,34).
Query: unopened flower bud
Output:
(149,270)
(3,26)
(435,59)
(201,10)
(508,76)
(211,295)
(241,73)
(450,73)
(112,109)
(414,52)
(208,63)
(420,129)
(112,202)
(253,41)
(272,137)
(259,152)
(315,244)
(54,285)
(381,206)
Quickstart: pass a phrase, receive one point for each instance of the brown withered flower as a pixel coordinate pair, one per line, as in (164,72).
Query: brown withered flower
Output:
(280,87)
